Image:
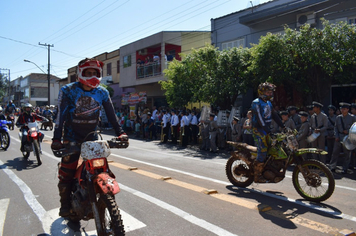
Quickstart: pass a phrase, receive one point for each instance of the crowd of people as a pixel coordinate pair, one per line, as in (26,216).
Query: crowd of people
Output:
(185,127)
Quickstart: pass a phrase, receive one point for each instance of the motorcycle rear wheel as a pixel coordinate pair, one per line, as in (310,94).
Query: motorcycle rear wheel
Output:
(319,184)
(110,217)
(25,155)
(37,151)
(239,173)
(5,140)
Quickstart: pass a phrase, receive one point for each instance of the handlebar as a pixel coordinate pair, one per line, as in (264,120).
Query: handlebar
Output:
(71,149)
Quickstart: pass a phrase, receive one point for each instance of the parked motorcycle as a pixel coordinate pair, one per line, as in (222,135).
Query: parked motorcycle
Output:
(94,188)
(311,178)
(11,119)
(4,135)
(33,141)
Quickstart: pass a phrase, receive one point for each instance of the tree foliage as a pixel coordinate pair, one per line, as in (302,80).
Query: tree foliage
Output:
(3,86)
(307,61)
(208,75)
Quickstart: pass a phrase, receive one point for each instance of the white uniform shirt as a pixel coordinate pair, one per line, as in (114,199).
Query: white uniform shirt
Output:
(174,120)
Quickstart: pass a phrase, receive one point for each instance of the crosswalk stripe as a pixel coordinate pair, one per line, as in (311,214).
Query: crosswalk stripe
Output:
(55,225)
(4,203)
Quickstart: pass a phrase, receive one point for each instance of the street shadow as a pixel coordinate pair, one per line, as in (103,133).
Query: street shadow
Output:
(283,211)
(20,164)
(63,227)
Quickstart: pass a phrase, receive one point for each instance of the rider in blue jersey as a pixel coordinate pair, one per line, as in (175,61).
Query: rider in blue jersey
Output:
(262,115)
(79,105)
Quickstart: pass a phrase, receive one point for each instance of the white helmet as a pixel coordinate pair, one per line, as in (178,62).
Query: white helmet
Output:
(0,109)
(92,81)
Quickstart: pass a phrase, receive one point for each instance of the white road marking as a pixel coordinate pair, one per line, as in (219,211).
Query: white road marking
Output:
(4,203)
(185,215)
(52,224)
(55,225)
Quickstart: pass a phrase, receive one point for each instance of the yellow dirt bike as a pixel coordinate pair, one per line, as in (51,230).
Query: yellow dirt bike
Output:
(311,178)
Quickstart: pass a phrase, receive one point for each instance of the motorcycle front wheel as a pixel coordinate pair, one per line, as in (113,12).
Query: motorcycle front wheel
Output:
(36,147)
(318,184)
(238,172)
(5,140)
(109,214)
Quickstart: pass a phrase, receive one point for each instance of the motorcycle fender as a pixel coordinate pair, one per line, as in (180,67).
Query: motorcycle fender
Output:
(106,184)
(33,134)
(302,151)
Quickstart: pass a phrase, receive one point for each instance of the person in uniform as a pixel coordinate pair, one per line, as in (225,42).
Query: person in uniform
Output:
(330,137)
(205,135)
(288,122)
(310,111)
(221,140)
(342,125)
(294,117)
(174,126)
(303,131)
(194,127)
(319,124)
(213,131)
(165,126)
(184,125)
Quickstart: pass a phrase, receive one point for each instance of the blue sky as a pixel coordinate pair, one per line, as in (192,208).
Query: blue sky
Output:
(86,28)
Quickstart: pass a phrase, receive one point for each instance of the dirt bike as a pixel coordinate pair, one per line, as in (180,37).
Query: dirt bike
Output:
(311,178)
(11,119)
(94,188)
(4,135)
(33,141)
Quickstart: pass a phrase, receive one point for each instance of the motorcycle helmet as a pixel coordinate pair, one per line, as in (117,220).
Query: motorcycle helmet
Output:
(262,88)
(26,106)
(92,81)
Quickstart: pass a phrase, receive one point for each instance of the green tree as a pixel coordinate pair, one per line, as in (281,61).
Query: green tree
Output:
(308,61)
(208,75)
(3,86)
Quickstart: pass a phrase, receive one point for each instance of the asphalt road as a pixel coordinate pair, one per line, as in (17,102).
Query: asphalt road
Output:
(166,190)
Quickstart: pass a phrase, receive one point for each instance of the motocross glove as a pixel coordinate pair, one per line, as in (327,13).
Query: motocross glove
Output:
(56,145)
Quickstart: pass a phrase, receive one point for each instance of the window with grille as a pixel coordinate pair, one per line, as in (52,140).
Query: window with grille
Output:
(236,43)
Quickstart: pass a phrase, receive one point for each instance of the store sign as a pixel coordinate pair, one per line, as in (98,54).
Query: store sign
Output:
(134,98)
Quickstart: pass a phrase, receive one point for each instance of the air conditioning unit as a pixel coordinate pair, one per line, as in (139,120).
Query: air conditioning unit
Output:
(306,18)
(142,52)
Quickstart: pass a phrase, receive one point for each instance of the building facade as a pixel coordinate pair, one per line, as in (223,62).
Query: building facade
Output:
(142,63)
(33,89)
(245,27)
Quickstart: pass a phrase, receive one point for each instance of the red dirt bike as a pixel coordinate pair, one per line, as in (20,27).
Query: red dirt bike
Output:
(33,141)
(94,188)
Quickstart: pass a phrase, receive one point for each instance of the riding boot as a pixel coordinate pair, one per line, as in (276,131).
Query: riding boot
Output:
(258,168)
(64,193)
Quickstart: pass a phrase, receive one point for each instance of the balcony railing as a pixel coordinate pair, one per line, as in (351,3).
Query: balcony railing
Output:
(153,69)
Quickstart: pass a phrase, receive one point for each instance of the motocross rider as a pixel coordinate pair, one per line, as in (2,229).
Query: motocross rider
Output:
(10,108)
(47,112)
(79,105)
(27,116)
(262,115)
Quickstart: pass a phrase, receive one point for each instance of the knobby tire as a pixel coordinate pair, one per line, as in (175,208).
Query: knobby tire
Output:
(320,184)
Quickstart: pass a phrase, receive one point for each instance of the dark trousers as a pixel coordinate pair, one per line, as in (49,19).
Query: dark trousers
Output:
(195,131)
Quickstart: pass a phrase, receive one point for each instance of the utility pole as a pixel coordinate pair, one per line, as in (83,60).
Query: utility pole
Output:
(49,74)
(8,86)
